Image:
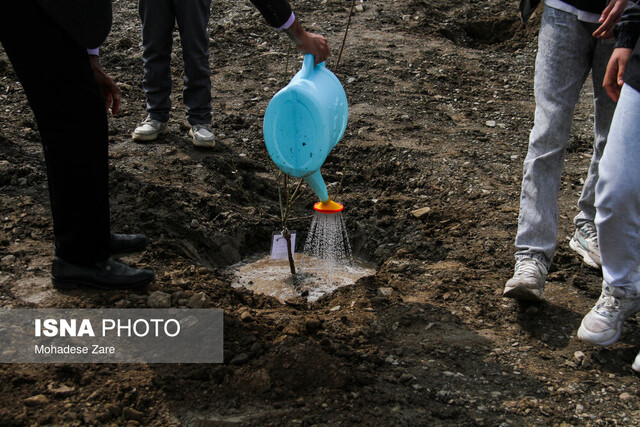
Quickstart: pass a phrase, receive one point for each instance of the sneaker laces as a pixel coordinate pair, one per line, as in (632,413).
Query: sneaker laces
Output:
(590,231)
(609,303)
(528,269)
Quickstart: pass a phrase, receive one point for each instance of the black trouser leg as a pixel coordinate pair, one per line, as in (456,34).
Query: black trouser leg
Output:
(56,76)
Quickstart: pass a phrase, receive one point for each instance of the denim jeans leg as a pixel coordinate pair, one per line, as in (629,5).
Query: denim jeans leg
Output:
(562,66)
(618,195)
(603,112)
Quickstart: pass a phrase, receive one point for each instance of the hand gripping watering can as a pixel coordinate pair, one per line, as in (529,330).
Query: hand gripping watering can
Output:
(303,122)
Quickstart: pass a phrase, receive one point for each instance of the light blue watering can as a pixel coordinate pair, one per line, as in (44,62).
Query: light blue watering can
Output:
(304,121)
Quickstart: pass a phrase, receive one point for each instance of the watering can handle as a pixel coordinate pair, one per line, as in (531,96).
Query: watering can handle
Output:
(308,65)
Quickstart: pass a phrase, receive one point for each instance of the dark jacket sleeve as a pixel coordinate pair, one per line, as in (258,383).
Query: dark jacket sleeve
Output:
(276,12)
(628,29)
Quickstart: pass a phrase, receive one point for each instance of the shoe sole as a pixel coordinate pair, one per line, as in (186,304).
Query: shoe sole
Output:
(522,294)
(636,365)
(75,284)
(580,250)
(202,144)
(585,335)
(147,138)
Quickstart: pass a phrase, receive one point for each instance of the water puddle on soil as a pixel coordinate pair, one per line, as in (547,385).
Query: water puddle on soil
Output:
(315,277)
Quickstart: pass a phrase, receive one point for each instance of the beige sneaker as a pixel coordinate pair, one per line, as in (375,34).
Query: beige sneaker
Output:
(202,136)
(149,130)
(527,283)
(585,243)
(603,324)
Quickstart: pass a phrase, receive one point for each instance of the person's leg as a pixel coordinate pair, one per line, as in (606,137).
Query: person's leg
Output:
(603,112)
(562,65)
(192,17)
(617,219)
(158,21)
(72,121)
(618,195)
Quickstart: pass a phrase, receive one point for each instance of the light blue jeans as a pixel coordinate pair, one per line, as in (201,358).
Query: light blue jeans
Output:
(618,195)
(566,54)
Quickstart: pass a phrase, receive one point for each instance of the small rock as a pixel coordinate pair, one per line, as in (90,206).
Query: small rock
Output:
(132,414)
(37,400)
(61,391)
(384,291)
(6,172)
(194,223)
(159,299)
(313,323)
(240,359)
(336,308)
(246,316)
(114,410)
(421,213)
(490,123)
(625,396)
(8,259)
(359,8)
(199,300)
(579,356)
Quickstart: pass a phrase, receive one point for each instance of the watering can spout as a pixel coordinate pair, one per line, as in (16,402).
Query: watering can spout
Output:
(316,182)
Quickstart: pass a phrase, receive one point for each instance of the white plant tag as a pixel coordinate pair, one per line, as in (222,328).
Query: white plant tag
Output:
(279,245)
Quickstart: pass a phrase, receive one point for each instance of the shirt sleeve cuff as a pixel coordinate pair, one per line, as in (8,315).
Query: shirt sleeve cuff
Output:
(93,51)
(289,22)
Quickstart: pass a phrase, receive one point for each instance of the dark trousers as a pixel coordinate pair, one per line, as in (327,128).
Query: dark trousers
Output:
(70,112)
(159,18)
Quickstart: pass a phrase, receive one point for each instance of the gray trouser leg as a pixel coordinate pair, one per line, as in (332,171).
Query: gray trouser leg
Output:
(603,112)
(566,53)
(158,22)
(192,17)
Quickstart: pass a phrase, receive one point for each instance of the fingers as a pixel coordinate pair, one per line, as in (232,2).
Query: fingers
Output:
(609,81)
(609,18)
(115,105)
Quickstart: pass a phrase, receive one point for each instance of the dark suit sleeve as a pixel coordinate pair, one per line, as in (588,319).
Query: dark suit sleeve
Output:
(276,12)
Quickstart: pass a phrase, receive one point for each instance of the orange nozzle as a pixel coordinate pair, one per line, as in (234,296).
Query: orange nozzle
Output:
(328,207)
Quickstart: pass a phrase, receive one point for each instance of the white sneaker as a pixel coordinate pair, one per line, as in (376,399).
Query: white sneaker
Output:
(202,136)
(603,324)
(636,364)
(527,283)
(149,130)
(585,243)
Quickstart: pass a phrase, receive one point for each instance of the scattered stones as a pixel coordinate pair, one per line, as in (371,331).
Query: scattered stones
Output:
(159,299)
(199,300)
(37,400)
(421,213)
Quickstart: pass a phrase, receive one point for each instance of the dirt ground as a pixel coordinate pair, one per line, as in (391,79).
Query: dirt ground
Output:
(441,104)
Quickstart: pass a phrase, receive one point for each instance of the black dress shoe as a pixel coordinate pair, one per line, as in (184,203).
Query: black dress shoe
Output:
(109,274)
(122,244)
